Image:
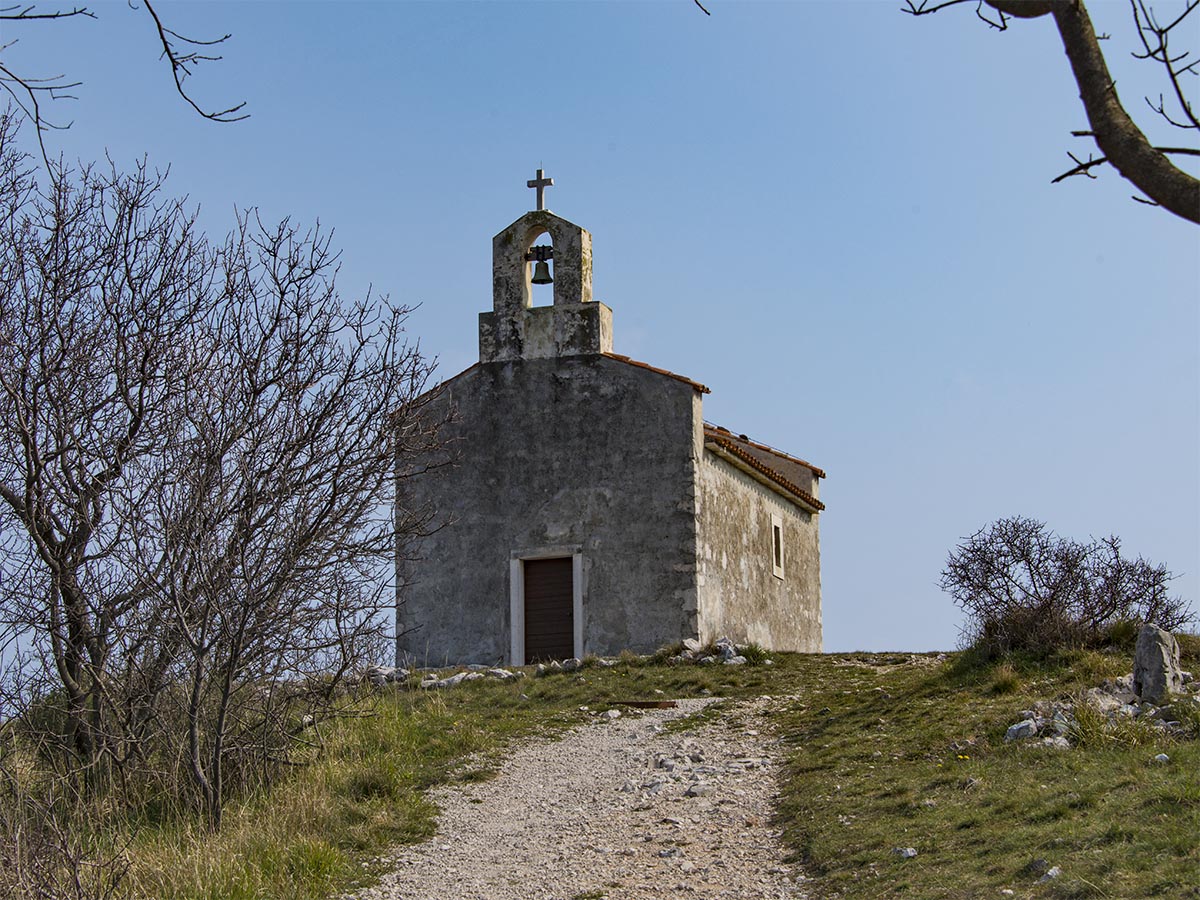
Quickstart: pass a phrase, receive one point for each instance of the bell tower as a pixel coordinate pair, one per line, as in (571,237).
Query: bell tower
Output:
(575,325)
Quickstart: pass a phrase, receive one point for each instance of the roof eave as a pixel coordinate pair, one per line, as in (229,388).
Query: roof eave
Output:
(784,489)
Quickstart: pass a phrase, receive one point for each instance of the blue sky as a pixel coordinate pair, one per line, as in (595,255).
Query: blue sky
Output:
(838,217)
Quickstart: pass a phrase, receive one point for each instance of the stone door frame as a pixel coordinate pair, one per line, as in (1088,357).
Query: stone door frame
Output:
(516,596)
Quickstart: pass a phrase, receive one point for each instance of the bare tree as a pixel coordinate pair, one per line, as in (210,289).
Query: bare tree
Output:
(196,456)
(1023,587)
(1122,143)
(182,53)
(275,527)
(102,284)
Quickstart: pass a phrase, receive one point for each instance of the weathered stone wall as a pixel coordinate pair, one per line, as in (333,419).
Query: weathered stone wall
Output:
(584,454)
(739,597)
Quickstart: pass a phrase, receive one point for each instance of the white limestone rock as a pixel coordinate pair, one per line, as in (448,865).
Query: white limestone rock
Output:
(1026,728)
(1156,673)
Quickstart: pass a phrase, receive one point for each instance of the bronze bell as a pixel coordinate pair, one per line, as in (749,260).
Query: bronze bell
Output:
(541,272)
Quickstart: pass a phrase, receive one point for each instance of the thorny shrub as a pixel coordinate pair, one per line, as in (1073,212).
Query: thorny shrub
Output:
(1023,587)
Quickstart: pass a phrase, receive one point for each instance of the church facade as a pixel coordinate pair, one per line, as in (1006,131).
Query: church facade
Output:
(587,506)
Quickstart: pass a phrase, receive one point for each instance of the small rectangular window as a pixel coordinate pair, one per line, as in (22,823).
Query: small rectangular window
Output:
(776,546)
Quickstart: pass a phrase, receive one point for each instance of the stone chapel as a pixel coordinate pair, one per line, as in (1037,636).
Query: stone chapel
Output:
(588,507)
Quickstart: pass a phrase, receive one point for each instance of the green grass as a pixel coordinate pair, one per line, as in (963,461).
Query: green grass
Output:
(914,756)
(881,751)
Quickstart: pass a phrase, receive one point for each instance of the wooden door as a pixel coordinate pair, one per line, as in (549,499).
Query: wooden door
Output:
(549,609)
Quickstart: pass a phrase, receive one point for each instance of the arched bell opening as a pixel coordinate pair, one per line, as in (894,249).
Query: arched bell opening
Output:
(539,270)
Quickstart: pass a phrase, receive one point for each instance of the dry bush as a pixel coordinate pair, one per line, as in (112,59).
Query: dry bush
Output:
(1023,587)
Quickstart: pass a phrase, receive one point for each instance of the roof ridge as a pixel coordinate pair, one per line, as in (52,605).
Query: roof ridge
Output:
(816,470)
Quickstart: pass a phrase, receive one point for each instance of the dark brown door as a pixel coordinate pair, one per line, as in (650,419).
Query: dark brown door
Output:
(549,610)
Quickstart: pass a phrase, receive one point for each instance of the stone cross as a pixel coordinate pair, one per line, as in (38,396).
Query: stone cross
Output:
(541,184)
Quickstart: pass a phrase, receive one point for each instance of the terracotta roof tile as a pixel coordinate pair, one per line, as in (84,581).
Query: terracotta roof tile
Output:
(820,473)
(742,449)
(641,365)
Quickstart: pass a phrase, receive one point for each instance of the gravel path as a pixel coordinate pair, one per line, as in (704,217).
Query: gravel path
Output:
(615,809)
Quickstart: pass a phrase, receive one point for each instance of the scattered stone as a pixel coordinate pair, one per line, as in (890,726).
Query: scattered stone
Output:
(1057,742)
(431,681)
(696,789)
(500,674)
(725,647)
(1051,873)
(687,867)
(1156,673)
(1026,728)
(381,675)
(707,660)
(1162,759)
(612,714)
(692,645)
(904,852)
(736,661)
(571,665)
(540,669)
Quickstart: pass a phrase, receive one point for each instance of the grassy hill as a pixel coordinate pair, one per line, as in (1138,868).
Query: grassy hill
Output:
(882,752)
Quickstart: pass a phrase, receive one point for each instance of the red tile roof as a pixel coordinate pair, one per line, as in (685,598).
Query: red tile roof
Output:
(766,461)
(741,438)
(641,365)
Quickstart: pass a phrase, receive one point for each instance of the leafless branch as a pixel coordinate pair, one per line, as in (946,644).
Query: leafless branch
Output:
(1121,142)
(19,13)
(31,94)
(925,7)
(1155,39)
(182,63)
(702,9)
(1084,167)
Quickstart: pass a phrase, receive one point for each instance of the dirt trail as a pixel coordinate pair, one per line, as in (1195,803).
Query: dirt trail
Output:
(616,809)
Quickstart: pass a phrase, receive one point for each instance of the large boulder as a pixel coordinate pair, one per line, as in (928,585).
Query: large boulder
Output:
(1156,673)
